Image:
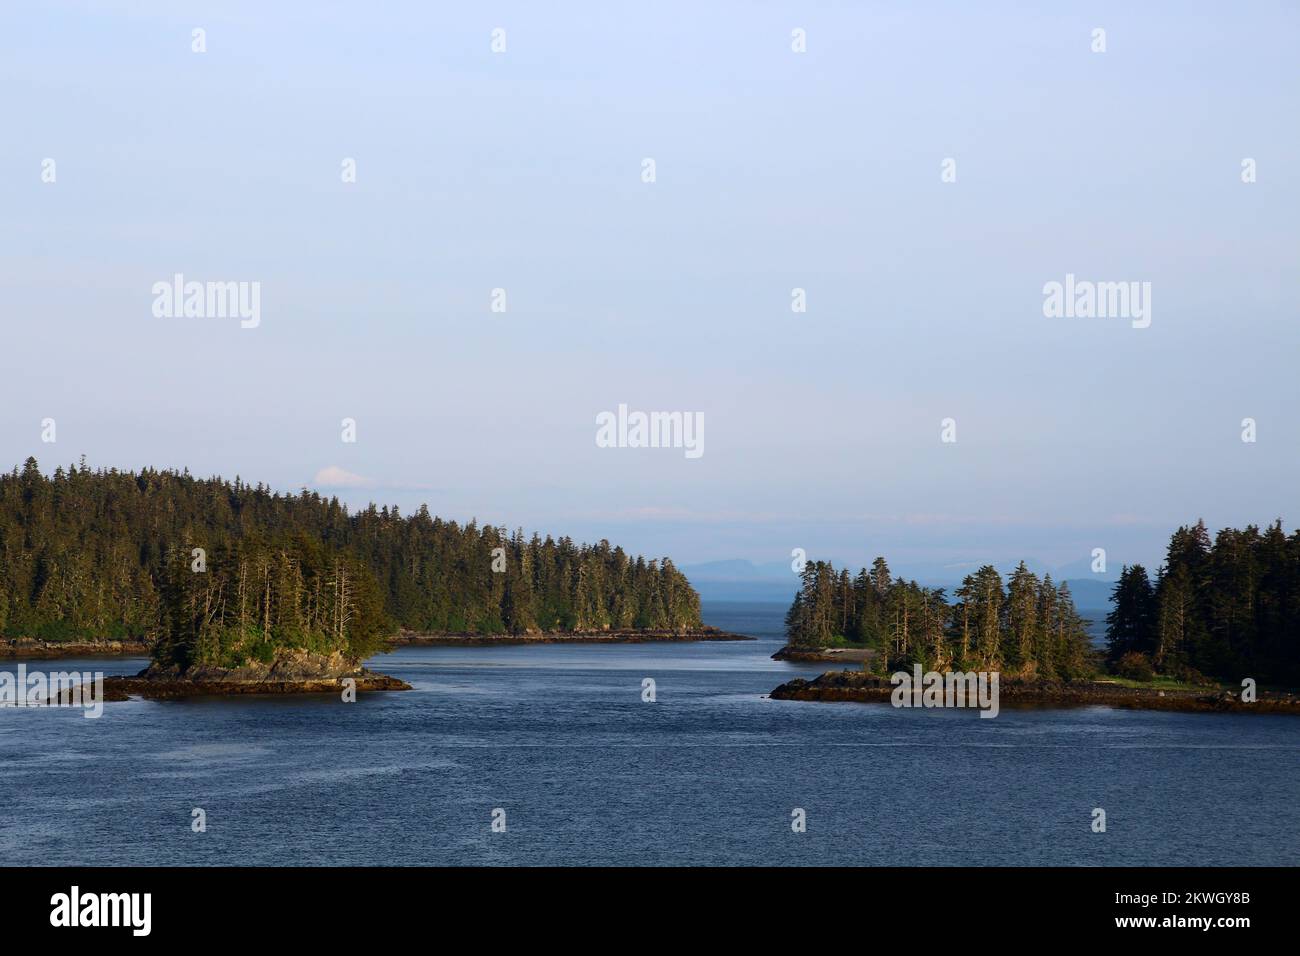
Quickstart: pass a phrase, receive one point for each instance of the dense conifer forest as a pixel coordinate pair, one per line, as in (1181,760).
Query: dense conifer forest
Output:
(1223,611)
(1228,609)
(109,554)
(1029,627)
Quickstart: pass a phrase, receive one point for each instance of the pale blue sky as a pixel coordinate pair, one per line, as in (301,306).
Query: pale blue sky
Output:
(775,170)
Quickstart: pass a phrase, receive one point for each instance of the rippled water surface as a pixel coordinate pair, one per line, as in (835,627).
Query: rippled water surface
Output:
(558,736)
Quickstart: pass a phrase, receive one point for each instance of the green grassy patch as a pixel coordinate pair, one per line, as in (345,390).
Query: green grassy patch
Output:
(1157,683)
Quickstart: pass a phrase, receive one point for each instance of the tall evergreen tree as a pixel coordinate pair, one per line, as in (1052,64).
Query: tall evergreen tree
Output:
(1131,623)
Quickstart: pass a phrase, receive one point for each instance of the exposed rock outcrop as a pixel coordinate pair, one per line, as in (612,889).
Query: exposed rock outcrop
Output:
(293,671)
(859,687)
(289,664)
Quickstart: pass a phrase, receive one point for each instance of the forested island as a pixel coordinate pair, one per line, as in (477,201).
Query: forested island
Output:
(1029,626)
(1217,613)
(216,576)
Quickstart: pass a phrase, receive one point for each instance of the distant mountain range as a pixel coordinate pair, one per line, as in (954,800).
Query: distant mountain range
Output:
(740,580)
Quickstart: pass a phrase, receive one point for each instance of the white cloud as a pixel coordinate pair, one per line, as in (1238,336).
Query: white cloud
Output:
(332,476)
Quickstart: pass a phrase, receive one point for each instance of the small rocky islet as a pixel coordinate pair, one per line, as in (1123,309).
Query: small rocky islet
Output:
(292,671)
(296,671)
(861,687)
(299,672)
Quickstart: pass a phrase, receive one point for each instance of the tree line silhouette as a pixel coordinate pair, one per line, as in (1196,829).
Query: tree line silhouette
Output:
(1216,611)
(1228,609)
(108,554)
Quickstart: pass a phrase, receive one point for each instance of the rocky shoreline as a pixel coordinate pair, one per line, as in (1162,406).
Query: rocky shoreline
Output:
(154,688)
(293,671)
(828,655)
(858,687)
(26,648)
(627,636)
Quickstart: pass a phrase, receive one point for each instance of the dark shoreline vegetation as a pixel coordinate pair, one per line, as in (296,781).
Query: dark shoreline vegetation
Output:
(95,557)
(1217,614)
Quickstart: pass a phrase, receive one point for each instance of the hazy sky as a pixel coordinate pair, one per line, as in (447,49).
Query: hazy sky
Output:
(522,170)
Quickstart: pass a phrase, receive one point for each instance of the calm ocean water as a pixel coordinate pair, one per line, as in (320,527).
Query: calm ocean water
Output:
(558,737)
